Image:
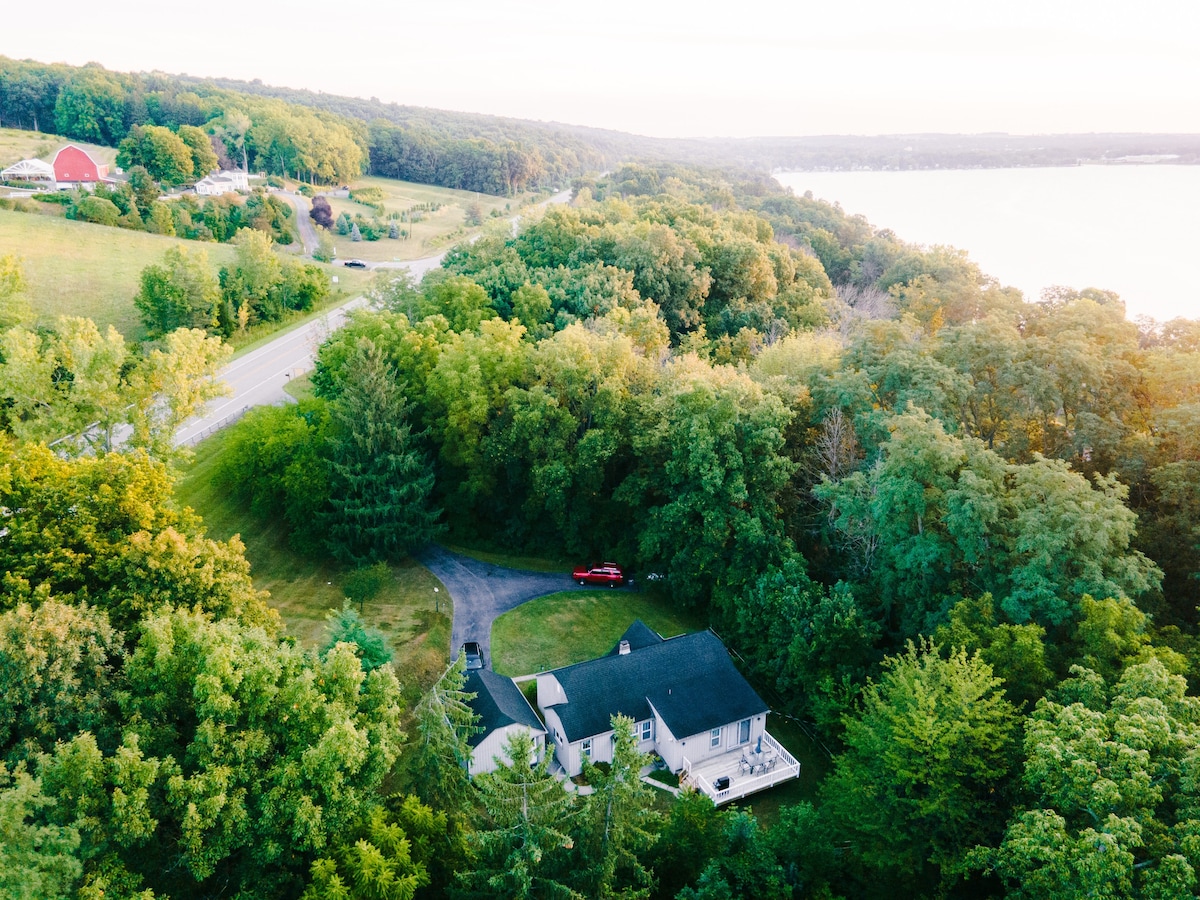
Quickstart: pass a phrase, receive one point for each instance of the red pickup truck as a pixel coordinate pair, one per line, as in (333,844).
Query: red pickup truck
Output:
(600,574)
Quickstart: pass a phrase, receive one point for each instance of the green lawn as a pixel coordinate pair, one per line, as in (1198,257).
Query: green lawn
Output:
(304,588)
(80,269)
(570,627)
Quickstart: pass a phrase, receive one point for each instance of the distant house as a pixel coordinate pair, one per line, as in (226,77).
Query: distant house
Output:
(74,167)
(222,183)
(688,703)
(502,709)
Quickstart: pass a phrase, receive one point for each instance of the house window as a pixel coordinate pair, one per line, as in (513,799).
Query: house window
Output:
(714,737)
(587,748)
(744,731)
(641,730)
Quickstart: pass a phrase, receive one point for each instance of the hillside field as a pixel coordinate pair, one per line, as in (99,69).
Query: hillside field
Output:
(77,269)
(16,145)
(433,233)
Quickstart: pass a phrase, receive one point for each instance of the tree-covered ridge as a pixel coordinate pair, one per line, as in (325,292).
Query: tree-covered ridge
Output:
(154,118)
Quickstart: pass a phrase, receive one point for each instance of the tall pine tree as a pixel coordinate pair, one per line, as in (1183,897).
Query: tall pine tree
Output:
(620,820)
(435,767)
(382,479)
(525,848)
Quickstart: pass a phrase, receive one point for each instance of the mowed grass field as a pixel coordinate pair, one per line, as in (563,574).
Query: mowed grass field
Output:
(79,269)
(563,629)
(431,235)
(16,145)
(304,587)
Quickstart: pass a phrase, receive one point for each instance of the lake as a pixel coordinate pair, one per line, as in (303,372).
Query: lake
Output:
(1131,229)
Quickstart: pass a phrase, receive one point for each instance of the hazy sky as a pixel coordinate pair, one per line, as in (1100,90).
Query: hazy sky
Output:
(756,67)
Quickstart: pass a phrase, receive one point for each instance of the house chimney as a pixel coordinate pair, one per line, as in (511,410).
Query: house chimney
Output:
(623,648)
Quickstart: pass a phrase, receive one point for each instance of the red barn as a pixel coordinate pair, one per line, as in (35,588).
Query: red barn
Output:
(73,165)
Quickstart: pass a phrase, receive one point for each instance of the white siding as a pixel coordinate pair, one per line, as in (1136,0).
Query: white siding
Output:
(697,748)
(549,691)
(555,734)
(491,748)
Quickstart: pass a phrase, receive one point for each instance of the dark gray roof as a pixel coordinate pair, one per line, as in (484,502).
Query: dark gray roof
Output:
(690,680)
(498,702)
(639,635)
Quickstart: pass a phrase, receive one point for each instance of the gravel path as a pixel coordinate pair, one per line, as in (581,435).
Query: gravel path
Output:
(482,591)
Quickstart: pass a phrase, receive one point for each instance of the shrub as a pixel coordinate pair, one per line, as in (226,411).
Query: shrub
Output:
(98,210)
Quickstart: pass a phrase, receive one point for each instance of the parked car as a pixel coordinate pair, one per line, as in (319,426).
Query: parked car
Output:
(600,574)
(354,264)
(474,655)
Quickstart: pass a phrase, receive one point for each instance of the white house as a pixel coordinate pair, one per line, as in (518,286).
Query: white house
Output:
(688,703)
(222,183)
(502,709)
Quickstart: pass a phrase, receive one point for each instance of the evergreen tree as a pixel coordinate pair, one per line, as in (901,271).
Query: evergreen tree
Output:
(381,479)
(355,234)
(619,816)
(347,627)
(436,764)
(524,849)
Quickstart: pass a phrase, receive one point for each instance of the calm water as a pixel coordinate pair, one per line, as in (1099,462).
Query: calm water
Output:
(1130,229)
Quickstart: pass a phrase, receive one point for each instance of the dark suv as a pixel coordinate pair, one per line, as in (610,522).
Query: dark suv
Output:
(606,573)
(474,654)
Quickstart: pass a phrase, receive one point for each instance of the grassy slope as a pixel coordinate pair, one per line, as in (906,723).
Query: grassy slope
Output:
(570,627)
(79,269)
(16,145)
(305,588)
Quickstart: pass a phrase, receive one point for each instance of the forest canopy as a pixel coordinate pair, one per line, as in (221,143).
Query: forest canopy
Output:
(954,532)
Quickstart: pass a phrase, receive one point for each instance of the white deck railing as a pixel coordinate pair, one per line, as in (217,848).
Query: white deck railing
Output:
(705,775)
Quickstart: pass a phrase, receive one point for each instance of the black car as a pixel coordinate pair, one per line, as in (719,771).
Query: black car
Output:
(474,654)
(354,264)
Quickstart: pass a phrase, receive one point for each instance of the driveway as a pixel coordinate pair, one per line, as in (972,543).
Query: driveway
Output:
(304,223)
(481,591)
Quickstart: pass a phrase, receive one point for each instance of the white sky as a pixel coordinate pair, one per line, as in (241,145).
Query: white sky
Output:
(673,69)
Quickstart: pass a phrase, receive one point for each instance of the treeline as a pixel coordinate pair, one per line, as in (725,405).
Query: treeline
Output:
(474,164)
(409,135)
(293,133)
(92,104)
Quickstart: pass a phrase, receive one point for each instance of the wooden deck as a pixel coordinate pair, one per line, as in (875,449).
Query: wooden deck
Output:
(735,778)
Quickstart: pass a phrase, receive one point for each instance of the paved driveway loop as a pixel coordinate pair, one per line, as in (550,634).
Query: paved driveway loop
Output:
(482,591)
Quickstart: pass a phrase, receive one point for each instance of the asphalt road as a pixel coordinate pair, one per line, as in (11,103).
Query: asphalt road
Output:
(259,377)
(481,591)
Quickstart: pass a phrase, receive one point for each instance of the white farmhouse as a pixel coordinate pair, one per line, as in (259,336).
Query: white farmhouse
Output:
(688,703)
(222,183)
